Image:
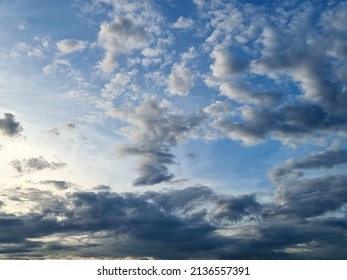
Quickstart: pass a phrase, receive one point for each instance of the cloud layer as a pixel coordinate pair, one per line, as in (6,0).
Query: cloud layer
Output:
(228,116)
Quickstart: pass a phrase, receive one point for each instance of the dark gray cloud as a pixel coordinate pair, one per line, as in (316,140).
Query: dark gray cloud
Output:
(102,188)
(190,223)
(59,184)
(9,126)
(286,122)
(35,164)
(312,197)
(322,160)
(303,196)
(152,134)
(238,208)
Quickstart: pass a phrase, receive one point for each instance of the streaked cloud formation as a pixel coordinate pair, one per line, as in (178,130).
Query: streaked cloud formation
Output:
(193,130)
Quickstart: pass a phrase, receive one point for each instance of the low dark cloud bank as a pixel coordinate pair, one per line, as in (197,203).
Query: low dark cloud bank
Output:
(305,219)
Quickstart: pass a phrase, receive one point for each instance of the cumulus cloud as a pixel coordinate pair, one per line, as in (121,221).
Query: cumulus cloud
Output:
(242,95)
(306,197)
(180,80)
(307,74)
(153,131)
(9,126)
(35,164)
(71,45)
(32,51)
(183,23)
(225,65)
(120,36)
(218,109)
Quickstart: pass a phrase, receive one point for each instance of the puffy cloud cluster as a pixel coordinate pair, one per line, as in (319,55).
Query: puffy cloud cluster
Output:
(180,80)
(9,126)
(71,45)
(133,27)
(35,164)
(286,75)
(183,23)
(120,36)
(153,131)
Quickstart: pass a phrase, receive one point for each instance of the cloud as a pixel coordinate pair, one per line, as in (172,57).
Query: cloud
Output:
(57,66)
(54,132)
(225,65)
(59,184)
(35,164)
(153,131)
(183,23)
(28,50)
(218,109)
(180,80)
(69,126)
(286,87)
(307,197)
(8,125)
(322,160)
(237,208)
(120,36)
(140,225)
(286,123)
(71,45)
(242,95)
(21,24)
(190,223)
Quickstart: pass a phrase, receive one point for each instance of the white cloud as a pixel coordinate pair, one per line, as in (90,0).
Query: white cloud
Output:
(32,51)
(117,85)
(150,52)
(183,23)
(180,80)
(243,95)
(21,24)
(71,45)
(118,37)
(56,66)
(225,65)
(218,109)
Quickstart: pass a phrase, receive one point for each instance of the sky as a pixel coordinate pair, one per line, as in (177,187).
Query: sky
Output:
(173,129)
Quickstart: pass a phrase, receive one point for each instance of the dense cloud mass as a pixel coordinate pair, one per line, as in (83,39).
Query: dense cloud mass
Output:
(9,126)
(152,133)
(176,224)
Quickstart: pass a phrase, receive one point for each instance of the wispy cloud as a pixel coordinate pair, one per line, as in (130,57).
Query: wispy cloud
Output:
(35,164)
(71,45)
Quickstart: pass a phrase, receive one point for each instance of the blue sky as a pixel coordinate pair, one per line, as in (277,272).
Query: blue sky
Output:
(173,129)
